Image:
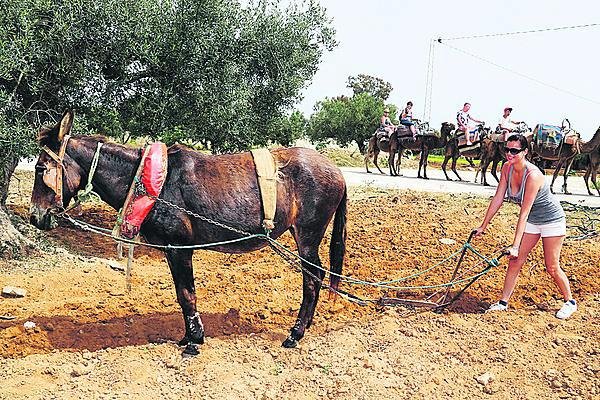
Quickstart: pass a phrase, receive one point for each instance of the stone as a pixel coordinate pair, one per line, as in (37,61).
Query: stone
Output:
(11,291)
(447,241)
(552,374)
(29,325)
(485,378)
(556,384)
(115,265)
(80,370)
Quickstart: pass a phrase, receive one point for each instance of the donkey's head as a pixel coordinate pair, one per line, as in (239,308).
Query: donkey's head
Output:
(447,128)
(57,176)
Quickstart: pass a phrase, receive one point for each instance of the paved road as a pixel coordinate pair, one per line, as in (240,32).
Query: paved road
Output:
(438,183)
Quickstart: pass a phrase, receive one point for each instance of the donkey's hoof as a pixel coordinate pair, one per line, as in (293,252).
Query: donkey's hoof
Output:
(184,342)
(290,343)
(191,350)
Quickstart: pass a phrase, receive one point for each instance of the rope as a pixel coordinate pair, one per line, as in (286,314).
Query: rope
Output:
(274,243)
(88,191)
(300,262)
(586,224)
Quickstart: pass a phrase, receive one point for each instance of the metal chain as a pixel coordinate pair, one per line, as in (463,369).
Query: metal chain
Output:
(140,189)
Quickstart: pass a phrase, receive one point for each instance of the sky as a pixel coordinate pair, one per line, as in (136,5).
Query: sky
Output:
(555,74)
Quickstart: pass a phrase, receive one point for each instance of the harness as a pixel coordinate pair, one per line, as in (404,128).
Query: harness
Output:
(57,184)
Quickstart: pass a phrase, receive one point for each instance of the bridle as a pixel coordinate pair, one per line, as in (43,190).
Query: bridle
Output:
(57,184)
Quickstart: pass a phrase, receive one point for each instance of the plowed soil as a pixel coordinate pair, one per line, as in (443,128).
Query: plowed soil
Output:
(94,339)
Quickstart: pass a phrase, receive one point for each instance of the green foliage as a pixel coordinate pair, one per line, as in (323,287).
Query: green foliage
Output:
(376,87)
(285,130)
(214,72)
(347,119)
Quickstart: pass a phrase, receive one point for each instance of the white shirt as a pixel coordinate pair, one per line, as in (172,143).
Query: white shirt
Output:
(464,119)
(506,123)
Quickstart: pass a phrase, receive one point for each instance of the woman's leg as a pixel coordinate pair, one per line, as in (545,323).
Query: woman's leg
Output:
(552,246)
(514,266)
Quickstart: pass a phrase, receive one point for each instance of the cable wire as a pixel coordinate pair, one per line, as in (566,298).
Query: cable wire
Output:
(518,73)
(561,28)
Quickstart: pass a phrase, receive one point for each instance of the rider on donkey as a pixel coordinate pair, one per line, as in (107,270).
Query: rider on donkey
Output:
(386,123)
(506,125)
(462,118)
(406,118)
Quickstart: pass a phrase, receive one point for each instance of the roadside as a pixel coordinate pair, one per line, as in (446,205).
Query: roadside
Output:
(437,183)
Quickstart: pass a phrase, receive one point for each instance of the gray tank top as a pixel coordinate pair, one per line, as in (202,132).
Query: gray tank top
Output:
(545,209)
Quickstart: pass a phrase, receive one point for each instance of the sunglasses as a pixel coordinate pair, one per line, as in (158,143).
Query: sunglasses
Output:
(512,150)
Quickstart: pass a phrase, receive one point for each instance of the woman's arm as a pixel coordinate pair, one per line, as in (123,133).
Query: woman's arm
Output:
(496,201)
(534,182)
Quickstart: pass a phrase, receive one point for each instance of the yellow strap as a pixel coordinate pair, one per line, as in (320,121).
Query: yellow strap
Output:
(266,170)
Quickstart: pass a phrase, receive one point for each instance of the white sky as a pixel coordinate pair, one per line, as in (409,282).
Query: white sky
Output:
(390,40)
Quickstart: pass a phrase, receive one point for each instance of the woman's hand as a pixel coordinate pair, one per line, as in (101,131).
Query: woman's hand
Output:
(512,252)
(478,231)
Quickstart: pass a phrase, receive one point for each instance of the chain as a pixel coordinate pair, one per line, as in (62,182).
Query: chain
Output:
(141,190)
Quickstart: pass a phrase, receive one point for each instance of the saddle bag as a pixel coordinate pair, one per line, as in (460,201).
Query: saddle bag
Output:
(571,137)
(549,136)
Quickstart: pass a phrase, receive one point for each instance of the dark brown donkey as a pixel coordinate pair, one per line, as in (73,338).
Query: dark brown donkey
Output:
(428,143)
(453,151)
(310,192)
(564,155)
(385,144)
(492,152)
(592,169)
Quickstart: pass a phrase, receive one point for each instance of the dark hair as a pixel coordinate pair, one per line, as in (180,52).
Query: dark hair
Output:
(409,103)
(517,137)
(466,104)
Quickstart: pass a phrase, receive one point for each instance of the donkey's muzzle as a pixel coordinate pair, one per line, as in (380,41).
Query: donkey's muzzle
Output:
(41,219)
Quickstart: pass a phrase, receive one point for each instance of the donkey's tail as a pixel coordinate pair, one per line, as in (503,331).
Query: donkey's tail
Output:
(337,247)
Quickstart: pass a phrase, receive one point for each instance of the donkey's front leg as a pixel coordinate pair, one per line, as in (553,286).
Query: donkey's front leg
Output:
(180,263)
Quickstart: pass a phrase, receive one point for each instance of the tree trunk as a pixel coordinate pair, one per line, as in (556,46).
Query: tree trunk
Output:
(12,243)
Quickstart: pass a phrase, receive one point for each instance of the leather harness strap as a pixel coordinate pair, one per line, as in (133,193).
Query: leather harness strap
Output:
(59,158)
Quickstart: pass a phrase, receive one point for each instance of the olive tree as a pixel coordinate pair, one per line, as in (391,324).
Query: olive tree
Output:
(222,73)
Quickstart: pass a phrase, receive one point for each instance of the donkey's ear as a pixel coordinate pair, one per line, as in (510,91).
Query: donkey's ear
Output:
(66,124)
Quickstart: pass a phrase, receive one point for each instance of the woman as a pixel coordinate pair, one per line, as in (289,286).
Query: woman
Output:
(541,215)
(386,122)
(406,118)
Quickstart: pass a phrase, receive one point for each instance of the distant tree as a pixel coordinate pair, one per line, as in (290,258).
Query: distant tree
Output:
(347,119)
(216,72)
(376,87)
(287,129)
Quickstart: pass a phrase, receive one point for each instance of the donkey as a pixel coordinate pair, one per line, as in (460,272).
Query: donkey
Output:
(311,192)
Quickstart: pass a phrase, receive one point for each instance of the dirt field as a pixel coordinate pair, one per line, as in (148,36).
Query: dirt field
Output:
(92,339)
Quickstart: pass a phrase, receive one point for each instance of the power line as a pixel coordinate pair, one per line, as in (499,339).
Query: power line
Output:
(519,73)
(428,82)
(561,28)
